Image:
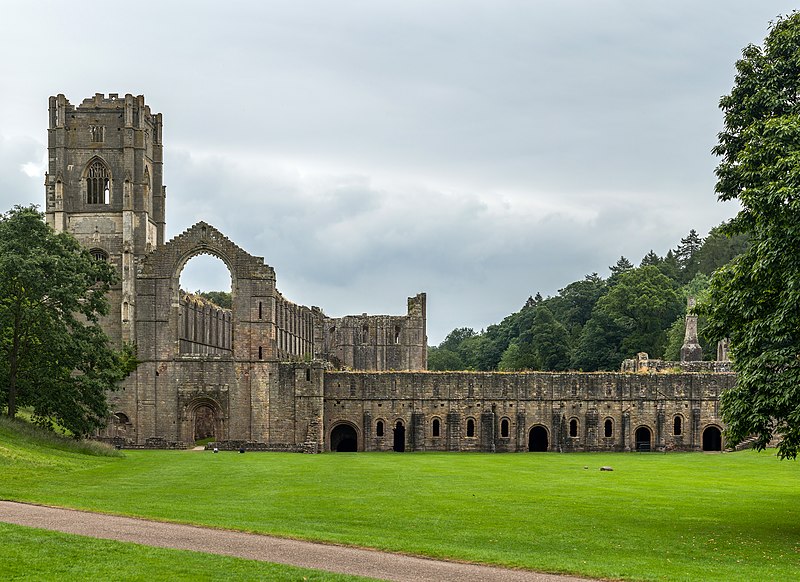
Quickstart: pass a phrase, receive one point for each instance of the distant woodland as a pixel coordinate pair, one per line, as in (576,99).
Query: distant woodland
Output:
(595,323)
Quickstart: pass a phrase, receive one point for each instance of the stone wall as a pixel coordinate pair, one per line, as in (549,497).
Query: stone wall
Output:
(498,411)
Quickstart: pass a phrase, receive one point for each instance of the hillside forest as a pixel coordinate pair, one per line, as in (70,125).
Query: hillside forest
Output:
(595,323)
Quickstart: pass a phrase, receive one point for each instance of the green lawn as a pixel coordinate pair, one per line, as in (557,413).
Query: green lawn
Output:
(677,516)
(35,554)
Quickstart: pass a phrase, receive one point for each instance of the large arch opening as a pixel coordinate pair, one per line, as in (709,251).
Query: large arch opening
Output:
(399,445)
(712,439)
(205,322)
(643,437)
(205,423)
(344,439)
(204,420)
(538,441)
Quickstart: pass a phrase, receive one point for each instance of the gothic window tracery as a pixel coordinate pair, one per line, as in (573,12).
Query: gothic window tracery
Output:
(98,183)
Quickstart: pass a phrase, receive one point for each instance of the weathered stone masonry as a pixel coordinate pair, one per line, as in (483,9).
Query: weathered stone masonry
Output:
(269,374)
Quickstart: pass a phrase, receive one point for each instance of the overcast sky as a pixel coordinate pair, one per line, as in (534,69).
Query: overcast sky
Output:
(477,151)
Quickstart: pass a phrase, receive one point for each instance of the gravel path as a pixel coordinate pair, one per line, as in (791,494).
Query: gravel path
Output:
(346,560)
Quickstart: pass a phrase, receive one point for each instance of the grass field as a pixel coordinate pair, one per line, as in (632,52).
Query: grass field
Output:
(34,554)
(677,516)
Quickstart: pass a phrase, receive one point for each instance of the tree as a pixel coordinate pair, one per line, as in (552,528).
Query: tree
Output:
(719,248)
(219,298)
(631,317)
(442,359)
(651,258)
(620,266)
(53,354)
(686,254)
(755,300)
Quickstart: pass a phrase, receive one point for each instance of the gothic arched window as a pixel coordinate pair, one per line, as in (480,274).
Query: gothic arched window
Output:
(98,183)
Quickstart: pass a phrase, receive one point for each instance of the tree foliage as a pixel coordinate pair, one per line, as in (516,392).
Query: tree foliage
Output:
(594,323)
(219,298)
(54,356)
(755,300)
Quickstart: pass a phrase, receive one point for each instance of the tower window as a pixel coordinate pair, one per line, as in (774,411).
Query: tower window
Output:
(98,184)
(99,255)
(98,133)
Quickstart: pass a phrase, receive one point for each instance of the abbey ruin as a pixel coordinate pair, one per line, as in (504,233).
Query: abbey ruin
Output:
(269,374)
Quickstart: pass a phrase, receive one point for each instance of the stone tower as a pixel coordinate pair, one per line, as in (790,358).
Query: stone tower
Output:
(104,186)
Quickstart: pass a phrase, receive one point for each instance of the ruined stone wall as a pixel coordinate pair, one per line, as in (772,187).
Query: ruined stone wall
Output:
(503,409)
(294,326)
(204,328)
(378,342)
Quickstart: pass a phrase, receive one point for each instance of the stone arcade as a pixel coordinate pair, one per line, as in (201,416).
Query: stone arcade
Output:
(273,375)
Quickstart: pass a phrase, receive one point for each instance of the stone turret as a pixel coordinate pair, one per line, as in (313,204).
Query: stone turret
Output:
(691,350)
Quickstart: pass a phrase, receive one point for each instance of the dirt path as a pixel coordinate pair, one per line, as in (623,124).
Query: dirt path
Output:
(331,558)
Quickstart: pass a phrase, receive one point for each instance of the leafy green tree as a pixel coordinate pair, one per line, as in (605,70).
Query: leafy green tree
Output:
(719,248)
(219,298)
(455,337)
(598,346)
(442,359)
(545,346)
(574,303)
(669,266)
(631,317)
(755,300)
(651,258)
(686,255)
(620,266)
(53,354)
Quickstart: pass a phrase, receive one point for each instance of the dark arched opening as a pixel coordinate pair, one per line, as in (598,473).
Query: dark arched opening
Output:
(642,437)
(537,440)
(470,427)
(205,423)
(712,439)
(399,438)
(505,428)
(608,428)
(344,439)
(436,427)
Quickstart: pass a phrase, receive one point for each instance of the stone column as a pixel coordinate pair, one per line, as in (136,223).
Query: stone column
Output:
(522,440)
(488,431)
(417,431)
(367,430)
(453,431)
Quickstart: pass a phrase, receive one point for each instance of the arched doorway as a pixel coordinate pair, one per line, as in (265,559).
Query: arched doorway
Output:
(344,439)
(712,439)
(203,420)
(399,445)
(643,439)
(538,441)
(205,423)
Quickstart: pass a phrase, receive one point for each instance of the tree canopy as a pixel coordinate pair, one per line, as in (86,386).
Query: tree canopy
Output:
(54,357)
(755,300)
(594,323)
